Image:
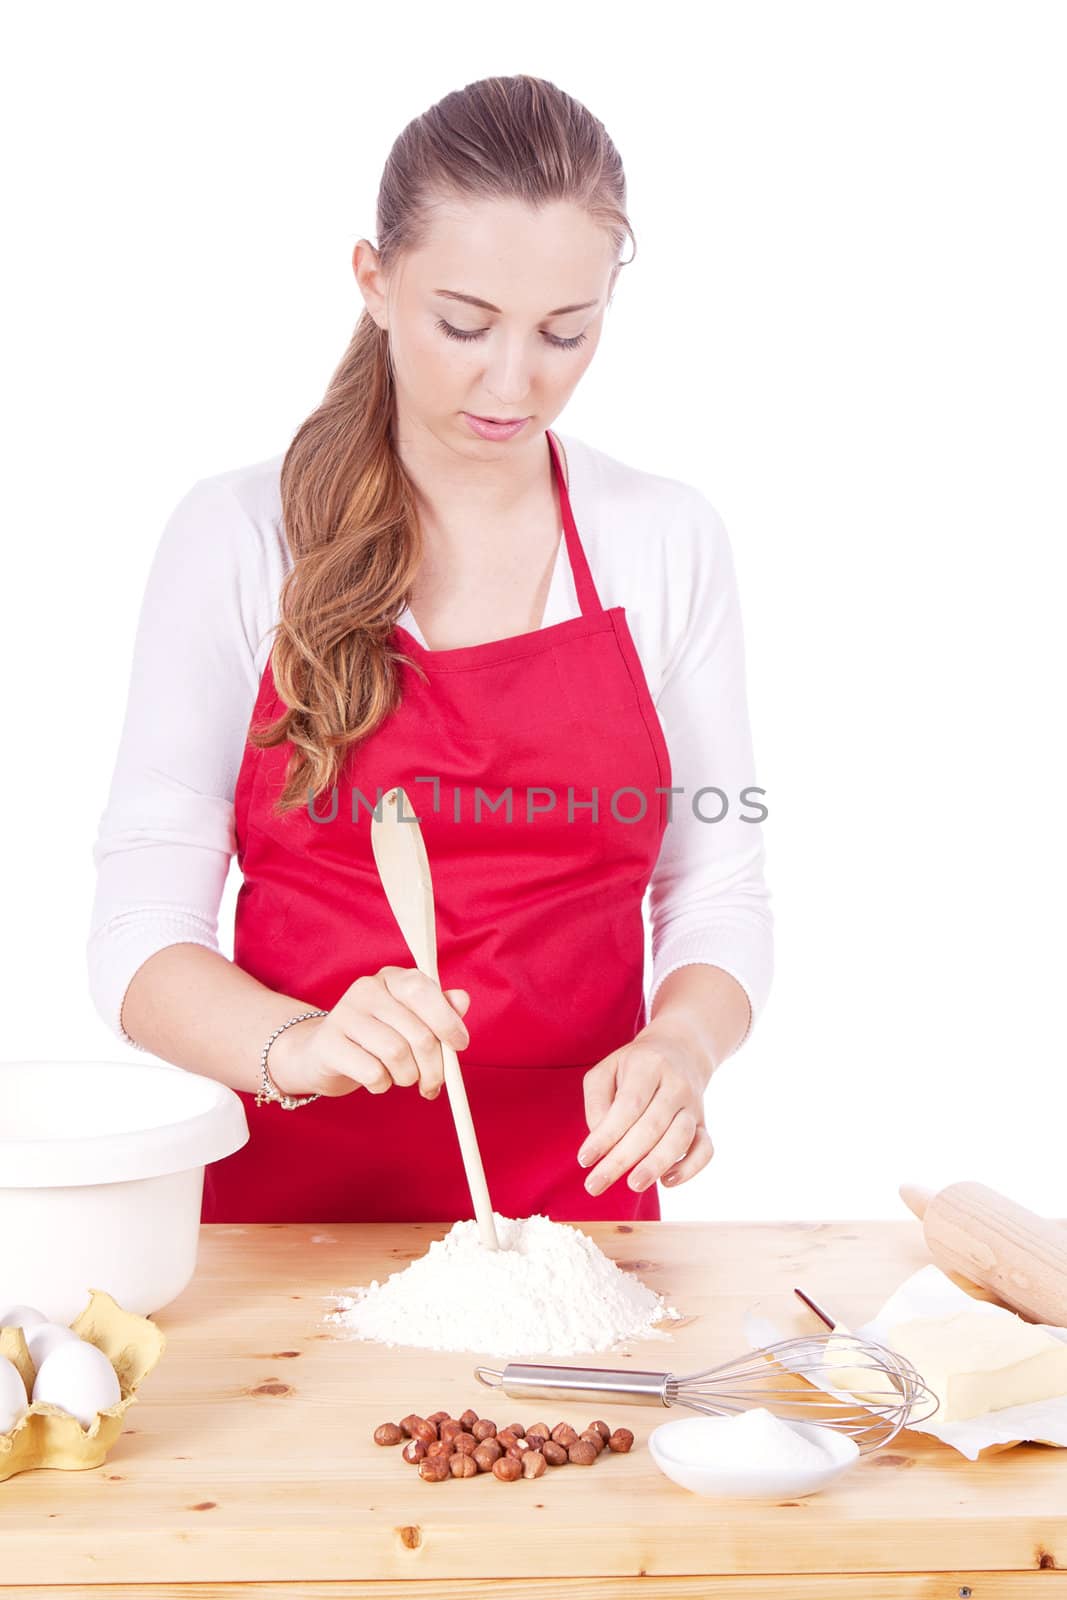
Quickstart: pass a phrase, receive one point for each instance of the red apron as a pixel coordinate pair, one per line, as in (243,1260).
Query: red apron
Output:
(538,918)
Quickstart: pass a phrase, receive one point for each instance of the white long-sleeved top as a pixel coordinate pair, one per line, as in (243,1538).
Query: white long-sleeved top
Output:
(654,545)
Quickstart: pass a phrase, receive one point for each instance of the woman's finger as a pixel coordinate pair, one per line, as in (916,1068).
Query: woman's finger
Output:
(387,1043)
(425,997)
(696,1159)
(598,1088)
(420,1060)
(348,1062)
(415,1013)
(637,1079)
(669,1153)
(634,1145)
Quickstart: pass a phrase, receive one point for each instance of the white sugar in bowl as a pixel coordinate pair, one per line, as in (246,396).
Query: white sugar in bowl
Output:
(102,1177)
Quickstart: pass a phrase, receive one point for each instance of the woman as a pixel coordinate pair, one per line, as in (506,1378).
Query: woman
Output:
(570,695)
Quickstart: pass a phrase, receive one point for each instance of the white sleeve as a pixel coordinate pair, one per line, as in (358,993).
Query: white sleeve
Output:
(708,901)
(165,839)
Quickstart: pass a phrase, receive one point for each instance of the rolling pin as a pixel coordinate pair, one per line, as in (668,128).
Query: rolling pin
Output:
(998,1245)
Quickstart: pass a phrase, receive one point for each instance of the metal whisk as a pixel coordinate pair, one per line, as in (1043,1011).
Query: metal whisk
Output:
(896,1388)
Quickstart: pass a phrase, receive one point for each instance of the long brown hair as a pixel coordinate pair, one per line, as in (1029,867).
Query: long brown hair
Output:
(348,506)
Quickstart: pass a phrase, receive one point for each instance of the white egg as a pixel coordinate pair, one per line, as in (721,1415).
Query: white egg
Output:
(24,1317)
(79,1378)
(13,1398)
(42,1340)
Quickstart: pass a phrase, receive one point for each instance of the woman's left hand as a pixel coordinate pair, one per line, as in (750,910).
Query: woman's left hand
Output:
(644,1107)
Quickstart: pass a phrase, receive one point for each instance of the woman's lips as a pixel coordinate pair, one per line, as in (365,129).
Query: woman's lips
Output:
(493,427)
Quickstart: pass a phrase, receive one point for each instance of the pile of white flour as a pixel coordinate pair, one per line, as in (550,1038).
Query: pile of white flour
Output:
(548,1290)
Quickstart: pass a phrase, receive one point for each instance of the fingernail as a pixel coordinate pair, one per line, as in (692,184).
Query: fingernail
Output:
(637,1184)
(584,1160)
(671,1177)
(590,1186)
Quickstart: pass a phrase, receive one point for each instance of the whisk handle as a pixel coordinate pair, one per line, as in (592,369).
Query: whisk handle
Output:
(522,1381)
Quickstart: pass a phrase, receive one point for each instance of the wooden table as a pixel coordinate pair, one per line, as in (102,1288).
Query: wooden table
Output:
(248,1467)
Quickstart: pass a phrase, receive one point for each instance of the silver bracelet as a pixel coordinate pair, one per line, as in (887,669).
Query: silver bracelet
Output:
(269,1092)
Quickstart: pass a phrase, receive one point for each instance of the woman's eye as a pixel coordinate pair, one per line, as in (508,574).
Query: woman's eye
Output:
(458,333)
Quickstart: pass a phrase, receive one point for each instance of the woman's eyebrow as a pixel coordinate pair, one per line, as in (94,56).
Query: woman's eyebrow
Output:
(485,305)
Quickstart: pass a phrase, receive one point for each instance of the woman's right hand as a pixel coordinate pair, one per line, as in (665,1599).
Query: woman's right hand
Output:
(386,1029)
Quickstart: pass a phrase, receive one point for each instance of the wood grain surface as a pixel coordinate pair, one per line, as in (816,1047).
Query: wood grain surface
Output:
(247,1464)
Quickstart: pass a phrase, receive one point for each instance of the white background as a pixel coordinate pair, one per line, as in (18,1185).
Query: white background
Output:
(845,323)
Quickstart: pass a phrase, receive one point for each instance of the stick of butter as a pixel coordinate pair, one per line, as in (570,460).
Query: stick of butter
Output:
(976,1362)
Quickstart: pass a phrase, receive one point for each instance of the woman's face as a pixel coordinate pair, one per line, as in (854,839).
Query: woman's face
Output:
(519,351)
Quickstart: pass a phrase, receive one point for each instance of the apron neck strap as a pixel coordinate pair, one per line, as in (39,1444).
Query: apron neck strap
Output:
(588,599)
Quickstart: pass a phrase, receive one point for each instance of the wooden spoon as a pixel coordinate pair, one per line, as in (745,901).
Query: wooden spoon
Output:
(404,868)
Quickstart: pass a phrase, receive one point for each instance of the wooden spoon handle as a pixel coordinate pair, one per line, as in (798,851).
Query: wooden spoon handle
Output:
(404,869)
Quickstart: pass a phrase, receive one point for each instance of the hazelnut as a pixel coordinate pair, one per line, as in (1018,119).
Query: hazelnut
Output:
(516,1428)
(564,1434)
(435,1469)
(408,1422)
(483,1429)
(426,1431)
(507,1438)
(414,1451)
(484,1458)
(465,1443)
(601,1428)
(621,1441)
(438,1417)
(534,1464)
(539,1427)
(582,1453)
(591,1436)
(553,1453)
(439,1447)
(535,1440)
(517,1451)
(388,1433)
(449,1430)
(507,1469)
(462,1466)
(468,1419)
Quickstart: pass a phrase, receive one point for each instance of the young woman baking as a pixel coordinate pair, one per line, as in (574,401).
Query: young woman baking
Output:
(541,644)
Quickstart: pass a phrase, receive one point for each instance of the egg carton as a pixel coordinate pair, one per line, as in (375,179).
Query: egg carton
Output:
(49,1437)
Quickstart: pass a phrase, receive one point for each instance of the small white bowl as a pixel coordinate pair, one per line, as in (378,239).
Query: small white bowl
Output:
(749,1483)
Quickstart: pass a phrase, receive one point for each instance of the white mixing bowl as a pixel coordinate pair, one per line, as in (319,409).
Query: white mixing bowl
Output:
(102,1178)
